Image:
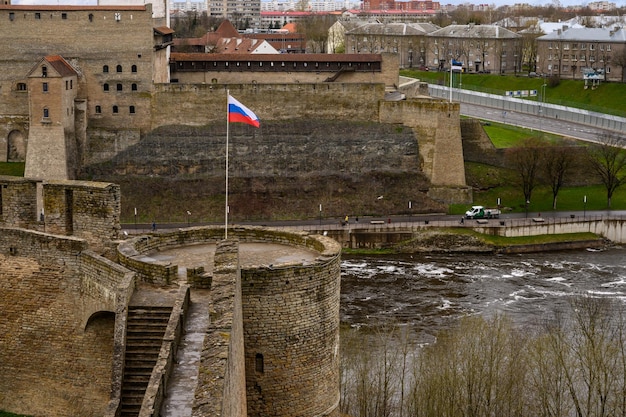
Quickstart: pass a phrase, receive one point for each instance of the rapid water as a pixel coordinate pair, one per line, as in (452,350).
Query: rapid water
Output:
(427,293)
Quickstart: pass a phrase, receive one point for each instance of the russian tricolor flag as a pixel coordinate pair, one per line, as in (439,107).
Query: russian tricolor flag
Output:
(238,113)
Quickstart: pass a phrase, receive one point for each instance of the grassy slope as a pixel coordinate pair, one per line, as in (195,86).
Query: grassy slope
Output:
(607,98)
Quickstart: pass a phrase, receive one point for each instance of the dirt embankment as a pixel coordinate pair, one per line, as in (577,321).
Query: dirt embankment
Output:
(449,242)
(284,170)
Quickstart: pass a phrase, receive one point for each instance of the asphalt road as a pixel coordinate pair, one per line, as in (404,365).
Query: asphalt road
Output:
(387,220)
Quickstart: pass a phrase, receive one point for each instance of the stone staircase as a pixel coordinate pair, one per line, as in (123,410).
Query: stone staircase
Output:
(145,329)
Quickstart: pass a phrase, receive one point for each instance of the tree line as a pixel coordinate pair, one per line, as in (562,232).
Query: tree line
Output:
(573,364)
(537,163)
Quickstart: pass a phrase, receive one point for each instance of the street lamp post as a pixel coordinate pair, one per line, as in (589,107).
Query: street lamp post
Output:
(527,203)
(135,218)
(584,206)
(541,105)
(320,214)
(410,205)
(188,221)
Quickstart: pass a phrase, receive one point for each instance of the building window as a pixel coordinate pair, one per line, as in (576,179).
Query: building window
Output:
(133,87)
(46,113)
(118,17)
(118,68)
(105,68)
(115,110)
(38,16)
(119,87)
(258,363)
(64,16)
(133,69)
(131,109)
(67,84)
(21,87)
(44,71)
(105,87)
(71,84)
(98,110)
(11,16)
(44,87)
(91,17)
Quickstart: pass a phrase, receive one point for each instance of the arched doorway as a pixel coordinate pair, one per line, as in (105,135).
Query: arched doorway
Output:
(16,147)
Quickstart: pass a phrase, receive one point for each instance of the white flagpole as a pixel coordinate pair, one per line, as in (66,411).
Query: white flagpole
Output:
(227,134)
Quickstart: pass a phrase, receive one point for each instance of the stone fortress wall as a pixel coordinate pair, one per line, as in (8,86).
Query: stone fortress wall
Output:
(65,304)
(120,99)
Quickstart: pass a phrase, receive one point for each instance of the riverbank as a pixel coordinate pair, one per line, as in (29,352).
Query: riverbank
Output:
(468,241)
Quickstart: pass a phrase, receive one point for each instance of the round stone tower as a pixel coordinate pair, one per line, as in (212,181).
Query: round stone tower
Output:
(291,334)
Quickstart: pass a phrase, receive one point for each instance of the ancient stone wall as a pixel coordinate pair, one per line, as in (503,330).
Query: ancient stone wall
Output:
(18,203)
(291,325)
(199,104)
(13,138)
(436,123)
(280,73)
(51,364)
(90,210)
(104,35)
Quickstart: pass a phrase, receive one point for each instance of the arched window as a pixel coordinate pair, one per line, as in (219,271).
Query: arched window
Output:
(105,87)
(133,86)
(131,109)
(91,17)
(115,110)
(119,68)
(105,68)
(133,68)
(119,87)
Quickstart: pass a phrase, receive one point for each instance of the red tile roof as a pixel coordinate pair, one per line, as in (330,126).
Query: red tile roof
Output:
(179,56)
(60,65)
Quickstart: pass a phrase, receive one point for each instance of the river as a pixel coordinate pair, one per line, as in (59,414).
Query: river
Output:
(430,292)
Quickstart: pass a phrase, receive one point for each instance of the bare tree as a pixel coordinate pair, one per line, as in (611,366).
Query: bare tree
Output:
(315,28)
(525,160)
(558,161)
(608,160)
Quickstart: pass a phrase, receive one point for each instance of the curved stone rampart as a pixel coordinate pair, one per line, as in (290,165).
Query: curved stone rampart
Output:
(290,319)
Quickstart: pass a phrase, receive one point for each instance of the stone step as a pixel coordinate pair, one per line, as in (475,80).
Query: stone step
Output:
(145,329)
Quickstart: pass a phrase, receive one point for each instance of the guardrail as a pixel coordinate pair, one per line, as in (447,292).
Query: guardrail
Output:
(514,104)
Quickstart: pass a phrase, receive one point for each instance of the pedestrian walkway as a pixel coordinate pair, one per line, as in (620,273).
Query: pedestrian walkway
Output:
(182,383)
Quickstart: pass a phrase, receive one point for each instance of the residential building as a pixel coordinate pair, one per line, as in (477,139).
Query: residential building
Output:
(244,13)
(407,40)
(577,52)
(480,48)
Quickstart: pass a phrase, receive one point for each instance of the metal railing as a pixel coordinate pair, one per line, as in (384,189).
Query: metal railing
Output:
(515,104)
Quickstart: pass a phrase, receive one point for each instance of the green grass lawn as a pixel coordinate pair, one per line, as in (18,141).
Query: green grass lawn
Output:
(607,98)
(15,169)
